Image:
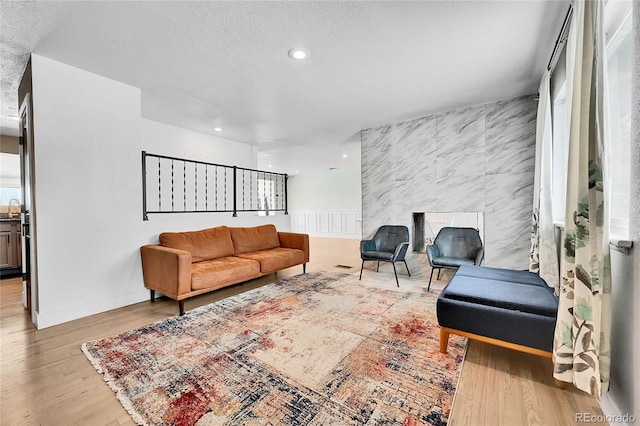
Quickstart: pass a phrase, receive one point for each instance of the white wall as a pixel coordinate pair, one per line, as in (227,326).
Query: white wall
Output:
(165,139)
(624,394)
(88,141)
(332,189)
(634,327)
(327,204)
(622,341)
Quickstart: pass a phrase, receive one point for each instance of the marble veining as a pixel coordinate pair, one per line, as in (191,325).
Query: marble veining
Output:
(419,129)
(459,204)
(501,208)
(510,244)
(511,149)
(479,158)
(471,143)
(509,185)
(507,231)
(461,121)
(460,164)
(461,186)
(509,113)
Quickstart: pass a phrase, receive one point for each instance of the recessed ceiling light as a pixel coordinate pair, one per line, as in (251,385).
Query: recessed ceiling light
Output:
(344,155)
(218,129)
(299,53)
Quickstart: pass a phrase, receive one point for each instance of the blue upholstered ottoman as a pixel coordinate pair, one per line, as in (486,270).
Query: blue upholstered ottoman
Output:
(513,309)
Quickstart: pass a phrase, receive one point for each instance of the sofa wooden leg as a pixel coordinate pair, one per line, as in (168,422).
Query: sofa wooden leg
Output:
(304,268)
(444,340)
(560,384)
(153,295)
(181,307)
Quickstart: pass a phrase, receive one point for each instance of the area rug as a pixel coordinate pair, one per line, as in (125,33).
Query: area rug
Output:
(321,348)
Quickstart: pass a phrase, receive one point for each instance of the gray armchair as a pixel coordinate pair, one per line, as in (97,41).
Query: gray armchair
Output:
(454,247)
(389,244)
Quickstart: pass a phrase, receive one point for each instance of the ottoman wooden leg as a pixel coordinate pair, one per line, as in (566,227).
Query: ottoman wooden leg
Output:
(560,384)
(444,340)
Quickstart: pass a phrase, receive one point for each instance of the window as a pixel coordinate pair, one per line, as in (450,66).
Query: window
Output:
(619,45)
(10,192)
(271,190)
(619,53)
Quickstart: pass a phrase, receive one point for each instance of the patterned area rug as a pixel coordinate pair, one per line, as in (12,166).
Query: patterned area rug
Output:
(316,349)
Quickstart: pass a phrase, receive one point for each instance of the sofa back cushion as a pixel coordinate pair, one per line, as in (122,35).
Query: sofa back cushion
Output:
(255,238)
(212,243)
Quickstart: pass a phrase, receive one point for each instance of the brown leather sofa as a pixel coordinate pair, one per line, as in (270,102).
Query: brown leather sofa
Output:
(187,264)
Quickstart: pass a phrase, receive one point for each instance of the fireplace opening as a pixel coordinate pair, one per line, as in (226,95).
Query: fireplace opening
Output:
(418,233)
(426,225)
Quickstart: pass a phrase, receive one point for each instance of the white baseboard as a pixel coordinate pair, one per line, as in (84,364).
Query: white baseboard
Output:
(70,313)
(612,413)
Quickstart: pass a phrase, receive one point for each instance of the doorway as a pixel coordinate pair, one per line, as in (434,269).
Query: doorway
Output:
(29,293)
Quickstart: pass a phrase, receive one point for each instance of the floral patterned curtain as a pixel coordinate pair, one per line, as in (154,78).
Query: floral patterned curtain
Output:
(581,343)
(543,256)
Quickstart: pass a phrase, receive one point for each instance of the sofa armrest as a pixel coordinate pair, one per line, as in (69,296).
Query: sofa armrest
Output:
(433,251)
(367,245)
(166,270)
(295,240)
(401,251)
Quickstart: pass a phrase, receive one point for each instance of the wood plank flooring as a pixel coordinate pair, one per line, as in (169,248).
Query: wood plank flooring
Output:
(45,379)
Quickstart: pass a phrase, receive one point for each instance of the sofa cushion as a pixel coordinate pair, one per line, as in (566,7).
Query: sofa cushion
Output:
(451,261)
(275,259)
(217,273)
(246,240)
(212,243)
(500,274)
(382,255)
(529,298)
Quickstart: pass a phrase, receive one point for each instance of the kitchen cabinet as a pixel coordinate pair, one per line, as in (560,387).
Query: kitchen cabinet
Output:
(10,246)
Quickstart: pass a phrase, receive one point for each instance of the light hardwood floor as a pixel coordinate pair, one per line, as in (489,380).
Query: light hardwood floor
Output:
(45,379)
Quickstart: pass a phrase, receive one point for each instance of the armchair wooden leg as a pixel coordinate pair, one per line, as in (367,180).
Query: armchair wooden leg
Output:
(444,340)
(407,266)
(439,269)
(153,296)
(361,268)
(304,268)
(378,267)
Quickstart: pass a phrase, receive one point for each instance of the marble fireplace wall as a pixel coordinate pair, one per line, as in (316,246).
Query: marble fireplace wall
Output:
(476,159)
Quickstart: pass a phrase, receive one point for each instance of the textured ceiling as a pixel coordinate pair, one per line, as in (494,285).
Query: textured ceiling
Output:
(207,64)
